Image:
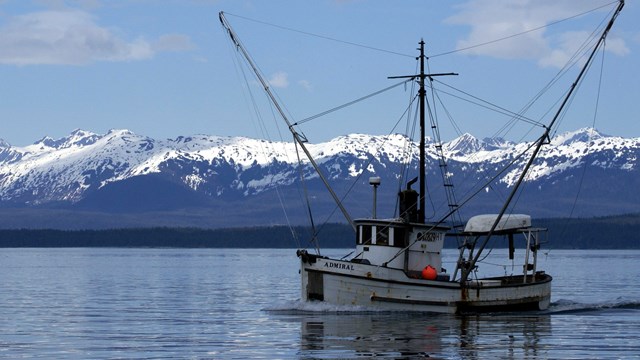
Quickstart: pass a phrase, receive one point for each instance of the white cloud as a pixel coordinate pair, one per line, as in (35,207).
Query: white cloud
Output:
(496,19)
(617,46)
(306,85)
(569,42)
(279,80)
(72,37)
(173,42)
(65,4)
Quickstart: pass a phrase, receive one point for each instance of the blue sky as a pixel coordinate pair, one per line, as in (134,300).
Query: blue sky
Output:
(166,68)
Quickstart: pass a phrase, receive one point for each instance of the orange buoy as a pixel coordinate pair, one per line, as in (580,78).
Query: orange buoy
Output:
(429,273)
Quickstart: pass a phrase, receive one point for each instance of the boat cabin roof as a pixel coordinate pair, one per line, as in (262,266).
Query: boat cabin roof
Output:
(400,223)
(508,223)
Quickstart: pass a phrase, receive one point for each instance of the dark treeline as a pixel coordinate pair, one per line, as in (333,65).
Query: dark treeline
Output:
(615,232)
(331,235)
(612,232)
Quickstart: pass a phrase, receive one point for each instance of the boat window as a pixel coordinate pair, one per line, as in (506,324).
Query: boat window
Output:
(399,237)
(364,237)
(382,236)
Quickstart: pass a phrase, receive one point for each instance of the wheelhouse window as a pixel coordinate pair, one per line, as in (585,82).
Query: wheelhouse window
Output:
(382,236)
(399,237)
(364,235)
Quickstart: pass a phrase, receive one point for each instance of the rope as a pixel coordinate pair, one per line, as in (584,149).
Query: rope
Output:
(259,125)
(314,233)
(522,33)
(321,36)
(350,103)
(366,165)
(487,105)
(593,124)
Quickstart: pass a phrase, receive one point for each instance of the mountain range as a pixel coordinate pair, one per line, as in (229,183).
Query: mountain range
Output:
(121,179)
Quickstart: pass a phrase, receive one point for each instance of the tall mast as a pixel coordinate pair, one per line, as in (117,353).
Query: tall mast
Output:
(422,94)
(422,99)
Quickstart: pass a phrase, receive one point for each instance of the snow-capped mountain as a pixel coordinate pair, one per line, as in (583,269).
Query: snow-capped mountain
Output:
(124,172)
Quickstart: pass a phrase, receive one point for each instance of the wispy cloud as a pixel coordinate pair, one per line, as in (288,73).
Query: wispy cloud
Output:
(173,42)
(306,85)
(570,41)
(496,19)
(73,37)
(279,80)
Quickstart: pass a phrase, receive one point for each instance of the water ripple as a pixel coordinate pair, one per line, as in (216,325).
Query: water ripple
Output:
(240,304)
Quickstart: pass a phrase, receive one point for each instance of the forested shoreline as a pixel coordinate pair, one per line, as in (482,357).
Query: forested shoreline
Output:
(615,232)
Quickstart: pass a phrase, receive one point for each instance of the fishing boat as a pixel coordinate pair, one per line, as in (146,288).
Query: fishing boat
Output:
(397,264)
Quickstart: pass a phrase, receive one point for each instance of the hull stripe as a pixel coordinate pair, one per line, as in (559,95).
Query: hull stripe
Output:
(410,301)
(433,284)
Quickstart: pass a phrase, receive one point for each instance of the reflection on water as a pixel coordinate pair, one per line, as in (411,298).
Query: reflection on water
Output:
(368,335)
(568,330)
(415,336)
(242,304)
(513,337)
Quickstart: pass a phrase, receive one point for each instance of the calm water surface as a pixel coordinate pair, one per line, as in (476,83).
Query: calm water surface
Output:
(239,304)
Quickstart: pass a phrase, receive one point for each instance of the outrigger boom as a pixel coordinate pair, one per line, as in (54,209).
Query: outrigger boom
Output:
(299,139)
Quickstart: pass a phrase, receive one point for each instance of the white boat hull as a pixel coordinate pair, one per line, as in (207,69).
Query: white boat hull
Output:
(343,282)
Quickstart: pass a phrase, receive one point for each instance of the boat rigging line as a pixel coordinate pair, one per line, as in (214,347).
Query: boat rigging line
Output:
(350,103)
(422,93)
(523,32)
(589,143)
(486,104)
(370,160)
(321,36)
(314,232)
(391,52)
(444,218)
(300,139)
(259,125)
(541,141)
(452,201)
(470,266)
(581,52)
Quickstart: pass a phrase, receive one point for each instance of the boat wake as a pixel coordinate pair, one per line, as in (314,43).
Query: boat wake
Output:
(561,306)
(572,307)
(315,307)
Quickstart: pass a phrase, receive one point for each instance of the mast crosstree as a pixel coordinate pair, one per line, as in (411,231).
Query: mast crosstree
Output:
(422,95)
